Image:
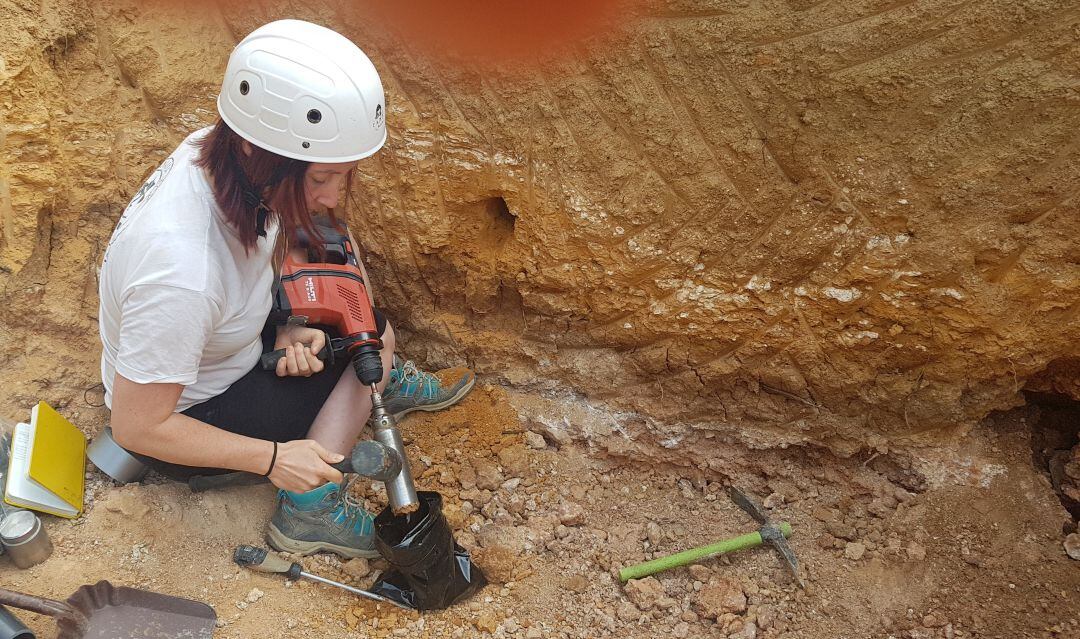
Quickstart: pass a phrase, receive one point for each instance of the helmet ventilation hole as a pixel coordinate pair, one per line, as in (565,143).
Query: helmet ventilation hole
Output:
(314,116)
(244,87)
(305,144)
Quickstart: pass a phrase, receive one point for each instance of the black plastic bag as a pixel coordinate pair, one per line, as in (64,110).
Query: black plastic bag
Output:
(428,570)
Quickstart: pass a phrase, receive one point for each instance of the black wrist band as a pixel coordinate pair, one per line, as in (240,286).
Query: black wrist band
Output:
(273,460)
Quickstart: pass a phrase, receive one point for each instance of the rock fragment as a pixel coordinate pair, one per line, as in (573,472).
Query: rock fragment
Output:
(488,476)
(627,611)
(576,583)
(854,550)
(571,514)
(644,592)
(535,441)
(720,597)
(699,572)
(1072,546)
(654,533)
(555,434)
(486,621)
(514,460)
(498,562)
(357,568)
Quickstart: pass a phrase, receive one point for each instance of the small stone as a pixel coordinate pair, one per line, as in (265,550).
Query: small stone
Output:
(644,592)
(720,597)
(488,476)
(821,513)
(556,434)
(1072,546)
(466,476)
(841,530)
(514,460)
(766,617)
(681,630)
(534,632)
(498,562)
(773,500)
(699,572)
(254,595)
(571,514)
(654,533)
(534,441)
(627,611)
(486,621)
(576,583)
(357,568)
(915,551)
(854,550)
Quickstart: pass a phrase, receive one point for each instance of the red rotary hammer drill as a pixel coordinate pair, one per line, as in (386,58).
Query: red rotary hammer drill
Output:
(329,290)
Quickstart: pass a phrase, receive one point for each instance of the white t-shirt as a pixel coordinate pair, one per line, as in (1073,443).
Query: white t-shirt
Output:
(181,300)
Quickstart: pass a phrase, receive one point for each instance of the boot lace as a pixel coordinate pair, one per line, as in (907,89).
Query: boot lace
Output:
(411,373)
(351,508)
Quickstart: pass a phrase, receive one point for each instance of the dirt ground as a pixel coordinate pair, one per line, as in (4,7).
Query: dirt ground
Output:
(800,246)
(965,545)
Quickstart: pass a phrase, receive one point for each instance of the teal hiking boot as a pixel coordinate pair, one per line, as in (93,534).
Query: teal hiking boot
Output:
(322,520)
(412,389)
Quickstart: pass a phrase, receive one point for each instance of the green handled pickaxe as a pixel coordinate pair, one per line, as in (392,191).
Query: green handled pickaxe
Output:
(769,533)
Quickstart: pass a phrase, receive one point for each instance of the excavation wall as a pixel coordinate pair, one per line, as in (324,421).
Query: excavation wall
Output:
(846,223)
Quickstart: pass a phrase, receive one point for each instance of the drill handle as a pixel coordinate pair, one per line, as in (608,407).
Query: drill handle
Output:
(261,560)
(269,360)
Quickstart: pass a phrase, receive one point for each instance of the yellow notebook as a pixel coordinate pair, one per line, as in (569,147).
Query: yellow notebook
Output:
(48,464)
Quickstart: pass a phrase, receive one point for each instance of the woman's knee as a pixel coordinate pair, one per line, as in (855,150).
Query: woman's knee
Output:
(389,339)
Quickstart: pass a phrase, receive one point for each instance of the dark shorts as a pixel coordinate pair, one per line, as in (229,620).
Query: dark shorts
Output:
(262,405)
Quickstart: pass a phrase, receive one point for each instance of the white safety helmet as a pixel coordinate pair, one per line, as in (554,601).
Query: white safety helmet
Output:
(305,92)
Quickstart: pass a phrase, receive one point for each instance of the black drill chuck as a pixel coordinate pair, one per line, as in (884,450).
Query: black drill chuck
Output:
(368,365)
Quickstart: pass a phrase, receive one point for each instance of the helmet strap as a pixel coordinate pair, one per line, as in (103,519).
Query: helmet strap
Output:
(254,200)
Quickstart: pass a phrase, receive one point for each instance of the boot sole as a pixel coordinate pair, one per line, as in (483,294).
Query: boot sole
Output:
(431,408)
(278,541)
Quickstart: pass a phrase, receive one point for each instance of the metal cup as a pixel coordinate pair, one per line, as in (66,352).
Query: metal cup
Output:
(113,459)
(24,538)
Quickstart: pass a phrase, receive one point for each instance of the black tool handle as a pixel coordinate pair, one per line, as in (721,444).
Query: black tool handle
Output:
(373,460)
(269,360)
(261,560)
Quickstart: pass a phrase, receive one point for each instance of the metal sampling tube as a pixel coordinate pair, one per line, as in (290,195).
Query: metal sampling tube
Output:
(400,490)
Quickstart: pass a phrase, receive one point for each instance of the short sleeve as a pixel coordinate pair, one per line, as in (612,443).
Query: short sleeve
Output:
(163,333)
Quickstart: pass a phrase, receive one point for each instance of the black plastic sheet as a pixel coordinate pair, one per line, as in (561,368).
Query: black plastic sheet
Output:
(429,570)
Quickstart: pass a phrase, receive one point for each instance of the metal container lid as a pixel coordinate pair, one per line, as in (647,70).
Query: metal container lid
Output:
(18,524)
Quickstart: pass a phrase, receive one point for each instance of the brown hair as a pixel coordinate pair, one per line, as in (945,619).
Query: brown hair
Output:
(241,182)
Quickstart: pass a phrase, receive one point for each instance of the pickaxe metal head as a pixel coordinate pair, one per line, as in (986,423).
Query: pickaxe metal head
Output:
(770,532)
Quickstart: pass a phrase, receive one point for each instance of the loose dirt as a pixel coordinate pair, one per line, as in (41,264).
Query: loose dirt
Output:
(979,555)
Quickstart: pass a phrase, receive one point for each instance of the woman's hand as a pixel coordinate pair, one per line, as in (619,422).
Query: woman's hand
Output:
(302,345)
(303,465)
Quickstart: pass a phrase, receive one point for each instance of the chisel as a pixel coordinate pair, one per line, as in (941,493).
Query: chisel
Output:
(261,560)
